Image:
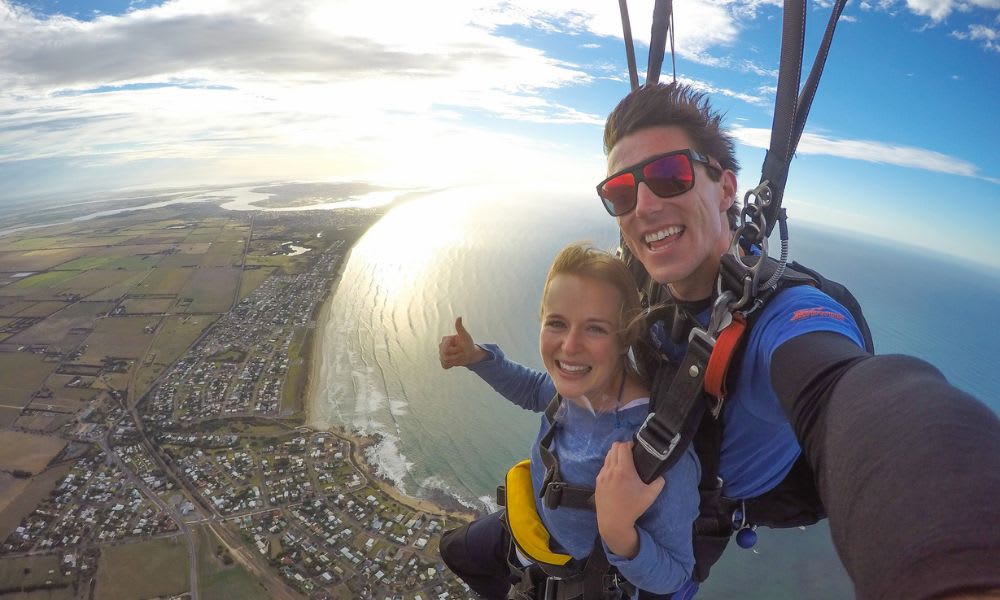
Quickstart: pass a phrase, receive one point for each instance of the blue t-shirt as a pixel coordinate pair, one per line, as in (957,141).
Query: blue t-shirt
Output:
(758,444)
(665,559)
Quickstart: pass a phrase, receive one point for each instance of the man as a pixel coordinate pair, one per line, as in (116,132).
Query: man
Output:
(908,467)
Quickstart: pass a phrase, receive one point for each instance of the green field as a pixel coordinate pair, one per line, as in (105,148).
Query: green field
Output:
(88,282)
(294,391)
(216,579)
(47,279)
(143,570)
(86,262)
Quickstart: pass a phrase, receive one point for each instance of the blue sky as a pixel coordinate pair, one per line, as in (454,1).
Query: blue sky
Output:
(101,96)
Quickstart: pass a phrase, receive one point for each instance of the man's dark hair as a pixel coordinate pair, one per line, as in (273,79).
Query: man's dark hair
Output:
(675,105)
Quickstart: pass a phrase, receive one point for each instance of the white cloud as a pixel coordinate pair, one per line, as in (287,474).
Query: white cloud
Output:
(258,89)
(869,151)
(988,36)
(938,10)
(702,86)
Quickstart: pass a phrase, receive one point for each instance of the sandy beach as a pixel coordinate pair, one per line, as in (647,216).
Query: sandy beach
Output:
(316,392)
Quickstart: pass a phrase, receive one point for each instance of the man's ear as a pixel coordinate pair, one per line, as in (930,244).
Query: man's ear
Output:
(729,188)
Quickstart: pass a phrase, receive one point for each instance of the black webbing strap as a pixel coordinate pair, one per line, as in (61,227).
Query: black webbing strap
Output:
(663,12)
(555,492)
(790,107)
(676,410)
(633,73)
(597,580)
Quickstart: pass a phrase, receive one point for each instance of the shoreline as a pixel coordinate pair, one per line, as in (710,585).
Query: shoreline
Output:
(359,443)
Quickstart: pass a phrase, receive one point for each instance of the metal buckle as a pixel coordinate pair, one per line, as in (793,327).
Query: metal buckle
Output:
(550,588)
(648,445)
(552,494)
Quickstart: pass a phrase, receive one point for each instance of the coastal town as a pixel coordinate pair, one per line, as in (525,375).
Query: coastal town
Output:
(154,367)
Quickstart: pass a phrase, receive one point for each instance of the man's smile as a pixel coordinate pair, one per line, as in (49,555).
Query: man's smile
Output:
(663,237)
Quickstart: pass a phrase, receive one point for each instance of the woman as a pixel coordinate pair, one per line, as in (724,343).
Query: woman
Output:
(589,305)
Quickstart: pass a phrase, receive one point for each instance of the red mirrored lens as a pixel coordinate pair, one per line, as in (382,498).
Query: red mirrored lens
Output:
(669,176)
(619,193)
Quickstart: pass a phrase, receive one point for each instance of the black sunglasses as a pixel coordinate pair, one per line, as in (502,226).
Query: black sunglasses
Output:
(667,175)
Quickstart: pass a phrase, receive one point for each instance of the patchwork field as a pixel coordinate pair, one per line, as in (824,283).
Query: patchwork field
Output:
(42,309)
(21,375)
(42,282)
(30,571)
(224,254)
(147,306)
(211,290)
(165,280)
(61,392)
(67,328)
(10,306)
(37,260)
(26,451)
(118,290)
(181,261)
(119,337)
(88,282)
(18,497)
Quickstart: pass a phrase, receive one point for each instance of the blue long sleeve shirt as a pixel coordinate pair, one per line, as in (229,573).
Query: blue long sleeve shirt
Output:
(665,559)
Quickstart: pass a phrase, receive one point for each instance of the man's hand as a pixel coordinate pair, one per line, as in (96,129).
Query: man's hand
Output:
(621,498)
(459,350)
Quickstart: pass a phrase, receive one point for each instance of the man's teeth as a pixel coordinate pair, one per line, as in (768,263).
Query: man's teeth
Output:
(663,233)
(573,368)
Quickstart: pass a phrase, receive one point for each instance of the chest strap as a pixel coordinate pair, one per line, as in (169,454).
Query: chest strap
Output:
(682,394)
(555,492)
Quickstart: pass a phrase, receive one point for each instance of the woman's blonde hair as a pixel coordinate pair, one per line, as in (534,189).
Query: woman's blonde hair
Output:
(584,260)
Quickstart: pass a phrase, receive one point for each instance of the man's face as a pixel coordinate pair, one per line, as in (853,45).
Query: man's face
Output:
(679,239)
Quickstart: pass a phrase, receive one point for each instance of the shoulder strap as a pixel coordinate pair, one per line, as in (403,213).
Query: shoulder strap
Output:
(555,492)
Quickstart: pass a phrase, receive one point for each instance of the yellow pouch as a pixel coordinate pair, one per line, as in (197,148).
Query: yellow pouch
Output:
(525,525)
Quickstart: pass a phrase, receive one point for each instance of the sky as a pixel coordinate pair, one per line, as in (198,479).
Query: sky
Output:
(100,96)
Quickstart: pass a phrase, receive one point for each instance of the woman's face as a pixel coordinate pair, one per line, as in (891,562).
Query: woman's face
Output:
(578,340)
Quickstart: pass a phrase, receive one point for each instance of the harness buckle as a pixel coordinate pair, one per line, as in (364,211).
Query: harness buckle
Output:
(656,438)
(552,494)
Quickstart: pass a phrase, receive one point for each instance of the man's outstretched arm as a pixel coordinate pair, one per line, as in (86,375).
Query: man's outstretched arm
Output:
(908,467)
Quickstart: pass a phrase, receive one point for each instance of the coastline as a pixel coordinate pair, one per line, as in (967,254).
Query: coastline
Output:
(314,389)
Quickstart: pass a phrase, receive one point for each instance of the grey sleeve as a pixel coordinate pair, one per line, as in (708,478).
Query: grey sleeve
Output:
(907,465)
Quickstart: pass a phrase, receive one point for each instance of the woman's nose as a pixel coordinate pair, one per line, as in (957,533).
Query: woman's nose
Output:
(571,343)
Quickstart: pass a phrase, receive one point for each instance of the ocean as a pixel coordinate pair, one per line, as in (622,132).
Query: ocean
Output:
(483,254)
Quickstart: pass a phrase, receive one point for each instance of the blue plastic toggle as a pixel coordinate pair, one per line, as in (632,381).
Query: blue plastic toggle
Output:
(746,538)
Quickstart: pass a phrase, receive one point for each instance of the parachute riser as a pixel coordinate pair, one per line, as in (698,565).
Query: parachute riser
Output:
(735,277)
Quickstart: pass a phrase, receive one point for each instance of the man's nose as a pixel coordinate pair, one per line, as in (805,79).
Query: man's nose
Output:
(646,202)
